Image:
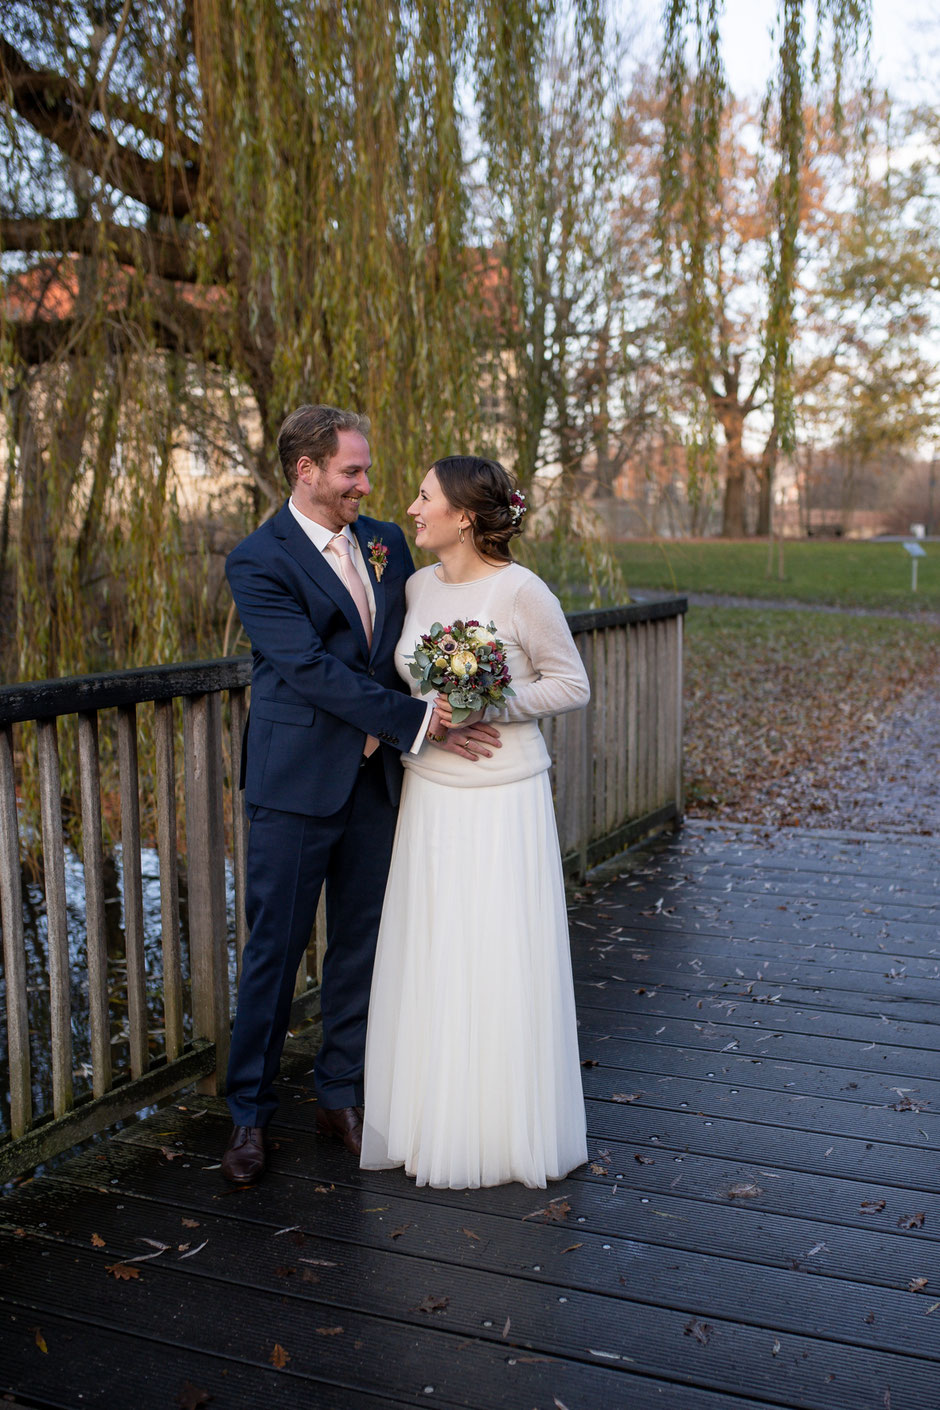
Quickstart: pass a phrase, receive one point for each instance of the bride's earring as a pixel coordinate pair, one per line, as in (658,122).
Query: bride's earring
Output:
(460,533)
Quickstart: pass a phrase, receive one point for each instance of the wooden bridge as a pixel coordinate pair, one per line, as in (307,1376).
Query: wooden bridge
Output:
(758,1225)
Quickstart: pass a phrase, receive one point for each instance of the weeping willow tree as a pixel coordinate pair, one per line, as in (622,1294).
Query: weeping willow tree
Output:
(261,202)
(691,218)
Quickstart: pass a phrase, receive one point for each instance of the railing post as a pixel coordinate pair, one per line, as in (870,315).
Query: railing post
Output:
(133,890)
(57,931)
(238,722)
(14,958)
(679,779)
(205,845)
(96,944)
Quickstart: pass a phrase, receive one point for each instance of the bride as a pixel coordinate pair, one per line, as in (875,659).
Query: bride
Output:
(472,1074)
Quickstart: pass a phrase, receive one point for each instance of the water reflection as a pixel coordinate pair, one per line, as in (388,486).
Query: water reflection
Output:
(37,974)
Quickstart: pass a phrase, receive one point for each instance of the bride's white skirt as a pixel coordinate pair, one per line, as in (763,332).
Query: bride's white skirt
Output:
(472,1071)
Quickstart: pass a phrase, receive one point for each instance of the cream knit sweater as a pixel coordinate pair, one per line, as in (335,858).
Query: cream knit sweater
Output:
(547,673)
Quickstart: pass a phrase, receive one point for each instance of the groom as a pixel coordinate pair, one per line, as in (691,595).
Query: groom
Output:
(321,593)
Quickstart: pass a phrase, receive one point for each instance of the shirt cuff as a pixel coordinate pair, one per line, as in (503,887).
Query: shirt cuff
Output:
(419,737)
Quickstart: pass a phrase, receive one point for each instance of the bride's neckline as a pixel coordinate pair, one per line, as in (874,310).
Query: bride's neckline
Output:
(484,577)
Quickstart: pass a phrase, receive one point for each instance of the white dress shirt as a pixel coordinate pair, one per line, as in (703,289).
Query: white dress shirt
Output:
(321,539)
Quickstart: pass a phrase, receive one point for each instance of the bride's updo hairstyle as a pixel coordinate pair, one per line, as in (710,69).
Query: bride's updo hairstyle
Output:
(487,494)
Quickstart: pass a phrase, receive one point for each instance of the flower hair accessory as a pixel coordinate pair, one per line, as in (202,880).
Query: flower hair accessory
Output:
(378,557)
(517,506)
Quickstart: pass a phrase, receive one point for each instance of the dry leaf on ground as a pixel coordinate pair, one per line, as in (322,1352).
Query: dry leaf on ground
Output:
(701,1331)
(432,1303)
(745,1190)
(192,1397)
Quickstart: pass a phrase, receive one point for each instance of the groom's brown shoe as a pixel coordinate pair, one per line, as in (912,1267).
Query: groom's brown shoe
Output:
(245,1156)
(344,1123)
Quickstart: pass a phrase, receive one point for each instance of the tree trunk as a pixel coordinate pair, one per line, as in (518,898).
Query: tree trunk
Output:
(734,524)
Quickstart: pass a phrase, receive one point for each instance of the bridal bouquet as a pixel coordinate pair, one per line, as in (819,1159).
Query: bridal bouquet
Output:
(465,662)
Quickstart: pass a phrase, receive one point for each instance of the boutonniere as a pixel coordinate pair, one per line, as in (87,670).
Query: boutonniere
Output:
(378,557)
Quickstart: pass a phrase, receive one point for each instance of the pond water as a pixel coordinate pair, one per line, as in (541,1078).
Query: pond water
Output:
(37,974)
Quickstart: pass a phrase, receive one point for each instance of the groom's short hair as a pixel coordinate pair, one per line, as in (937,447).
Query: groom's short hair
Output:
(314,431)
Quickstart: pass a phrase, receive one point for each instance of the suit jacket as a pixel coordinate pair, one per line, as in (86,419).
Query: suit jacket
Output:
(317,689)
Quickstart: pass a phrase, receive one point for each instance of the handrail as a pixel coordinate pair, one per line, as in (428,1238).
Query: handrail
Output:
(616,772)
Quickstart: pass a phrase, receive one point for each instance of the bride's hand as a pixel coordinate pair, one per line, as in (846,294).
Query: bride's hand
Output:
(471,741)
(443,717)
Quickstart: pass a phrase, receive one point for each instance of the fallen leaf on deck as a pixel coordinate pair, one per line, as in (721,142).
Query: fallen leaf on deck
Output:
(171,1154)
(917,1285)
(397,1233)
(40,1340)
(869,1318)
(376,1209)
(319,1262)
(908,1104)
(626,1096)
(279,1357)
(506,1328)
(911,1221)
(644,1160)
(932,1308)
(560,1404)
(193,1251)
(432,1303)
(285,1271)
(191,1397)
(97,1241)
(571,1248)
(590,1062)
(190,1224)
(598,1169)
(556,1209)
(745,1190)
(329,1331)
(871,1206)
(121,1270)
(323,1189)
(470,1234)
(142,1257)
(701,1331)
(775,1349)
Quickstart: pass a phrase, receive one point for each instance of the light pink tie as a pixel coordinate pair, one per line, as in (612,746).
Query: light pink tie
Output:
(340,546)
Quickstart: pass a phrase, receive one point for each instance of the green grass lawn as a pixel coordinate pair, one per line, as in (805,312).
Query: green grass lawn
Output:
(849,574)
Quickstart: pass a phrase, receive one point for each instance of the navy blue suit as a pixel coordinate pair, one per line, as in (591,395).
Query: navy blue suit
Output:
(317,813)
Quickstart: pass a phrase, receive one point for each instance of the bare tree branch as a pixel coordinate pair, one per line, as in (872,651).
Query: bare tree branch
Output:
(58,109)
(150,251)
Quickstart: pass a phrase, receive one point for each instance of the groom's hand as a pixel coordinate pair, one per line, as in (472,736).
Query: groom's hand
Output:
(471,741)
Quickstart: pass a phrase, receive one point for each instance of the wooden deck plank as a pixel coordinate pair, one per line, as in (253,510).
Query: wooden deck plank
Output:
(697,1188)
(891,1038)
(778,1299)
(746,1235)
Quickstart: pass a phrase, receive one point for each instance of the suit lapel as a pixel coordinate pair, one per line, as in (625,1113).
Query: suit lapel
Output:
(364,530)
(311,560)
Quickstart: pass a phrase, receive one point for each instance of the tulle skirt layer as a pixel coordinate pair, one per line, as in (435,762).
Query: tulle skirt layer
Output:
(472,1070)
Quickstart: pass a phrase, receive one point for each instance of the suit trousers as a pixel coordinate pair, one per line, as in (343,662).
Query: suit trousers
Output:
(290,857)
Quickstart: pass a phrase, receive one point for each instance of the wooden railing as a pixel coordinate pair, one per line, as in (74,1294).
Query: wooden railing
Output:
(617,775)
